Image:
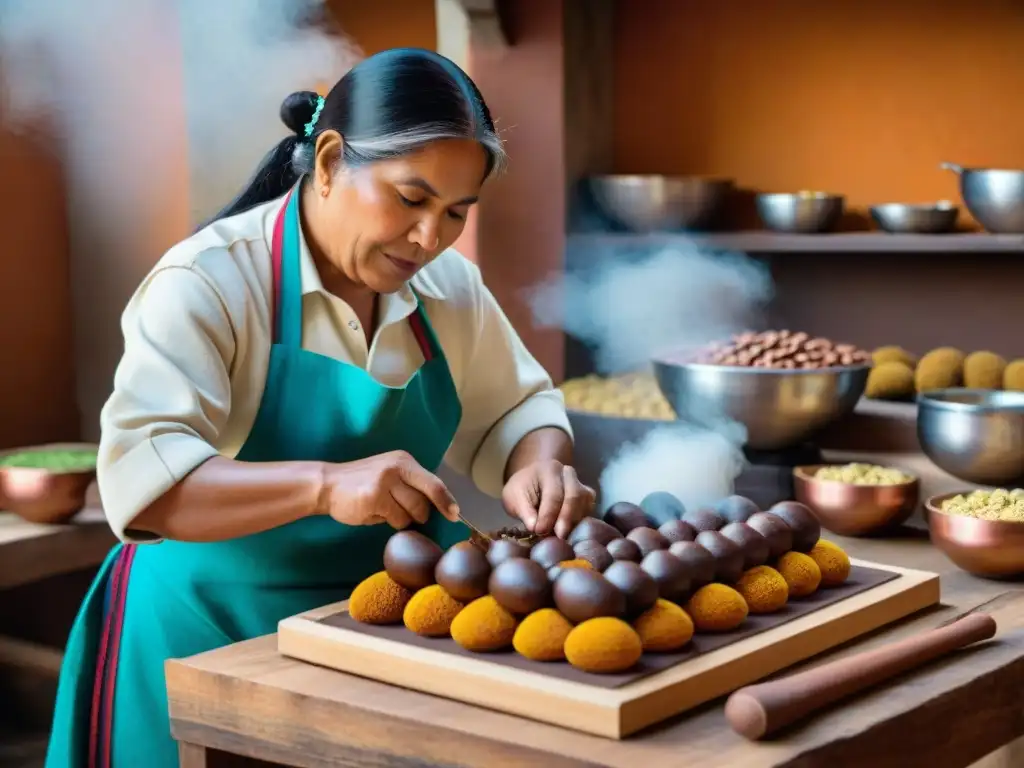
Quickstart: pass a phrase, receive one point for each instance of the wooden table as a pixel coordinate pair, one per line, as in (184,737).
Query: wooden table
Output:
(247,700)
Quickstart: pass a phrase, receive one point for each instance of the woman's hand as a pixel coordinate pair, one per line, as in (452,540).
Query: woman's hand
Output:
(389,488)
(548,496)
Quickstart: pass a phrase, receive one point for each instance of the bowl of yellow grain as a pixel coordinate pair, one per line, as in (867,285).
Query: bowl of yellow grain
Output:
(981,531)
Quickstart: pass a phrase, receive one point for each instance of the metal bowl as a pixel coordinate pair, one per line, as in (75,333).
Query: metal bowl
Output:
(779,408)
(990,548)
(802,213)
(994,197)
(659,203)
(905,218)
(974,434)
(855,510)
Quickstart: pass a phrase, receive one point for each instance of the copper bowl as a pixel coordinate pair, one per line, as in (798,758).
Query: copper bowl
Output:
(993,549)
(855,510)
(44,495)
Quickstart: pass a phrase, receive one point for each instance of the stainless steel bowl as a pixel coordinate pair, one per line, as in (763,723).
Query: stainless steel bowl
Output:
(994,197)
(802,213)
(779,408)
(926,219)
(973,434)
(660,203)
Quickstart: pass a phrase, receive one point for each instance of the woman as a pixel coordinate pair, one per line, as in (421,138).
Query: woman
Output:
(292,376)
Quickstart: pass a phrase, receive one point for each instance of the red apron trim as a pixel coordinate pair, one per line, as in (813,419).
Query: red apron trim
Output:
(102,716)
(276,250)
(419,330)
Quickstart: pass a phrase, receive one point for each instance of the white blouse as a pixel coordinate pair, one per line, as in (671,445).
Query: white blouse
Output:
(197,345)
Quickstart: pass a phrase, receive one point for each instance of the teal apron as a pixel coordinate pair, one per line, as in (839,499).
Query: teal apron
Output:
(173,599)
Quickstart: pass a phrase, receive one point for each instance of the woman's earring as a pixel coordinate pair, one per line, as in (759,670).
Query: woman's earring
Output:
(324,191)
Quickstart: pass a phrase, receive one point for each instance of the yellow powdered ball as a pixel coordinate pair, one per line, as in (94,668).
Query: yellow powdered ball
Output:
(833,562)
(890,381)
(1013,377)
(664,627)
(431,612)
(764,589)
(984,370)
(717,608)
(801,573)
(483,625)
(939,369)
(893,354)
(541,635)
(604,645)
(378,599)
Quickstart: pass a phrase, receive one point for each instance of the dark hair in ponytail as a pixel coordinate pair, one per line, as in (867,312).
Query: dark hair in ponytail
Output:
(388,105)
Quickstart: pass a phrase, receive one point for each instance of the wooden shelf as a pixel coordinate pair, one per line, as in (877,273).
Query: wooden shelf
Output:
(775,242)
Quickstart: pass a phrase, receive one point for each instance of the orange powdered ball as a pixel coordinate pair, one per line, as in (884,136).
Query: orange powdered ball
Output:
(577,563)
(378,599)
(764,589)
(431,612)
(664,627)
(483,625)
(717,608)
(801,573)
(541,635)
(603,644)
(832,561)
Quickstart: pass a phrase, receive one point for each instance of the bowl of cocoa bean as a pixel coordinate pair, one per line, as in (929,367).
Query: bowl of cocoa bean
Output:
(783,386)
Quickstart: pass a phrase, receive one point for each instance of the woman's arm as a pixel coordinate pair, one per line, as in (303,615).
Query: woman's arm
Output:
(159,474)
(226,499)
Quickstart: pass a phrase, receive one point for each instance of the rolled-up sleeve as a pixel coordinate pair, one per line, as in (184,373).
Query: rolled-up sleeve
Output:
(506,394)
(172,393)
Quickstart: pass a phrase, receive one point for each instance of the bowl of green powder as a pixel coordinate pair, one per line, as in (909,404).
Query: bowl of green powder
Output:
(47,483)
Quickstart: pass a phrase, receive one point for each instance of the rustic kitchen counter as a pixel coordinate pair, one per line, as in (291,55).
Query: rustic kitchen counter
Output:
(247,700)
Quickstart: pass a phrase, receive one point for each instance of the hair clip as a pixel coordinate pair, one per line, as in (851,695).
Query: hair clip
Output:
(311,125)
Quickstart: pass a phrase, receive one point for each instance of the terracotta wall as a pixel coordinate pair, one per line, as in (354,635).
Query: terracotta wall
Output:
(862,97)
(37,389)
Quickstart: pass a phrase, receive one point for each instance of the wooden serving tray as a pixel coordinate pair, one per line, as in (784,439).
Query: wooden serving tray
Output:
(611,706)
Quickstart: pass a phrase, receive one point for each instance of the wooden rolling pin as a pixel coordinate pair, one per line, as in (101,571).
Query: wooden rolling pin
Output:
(759,710)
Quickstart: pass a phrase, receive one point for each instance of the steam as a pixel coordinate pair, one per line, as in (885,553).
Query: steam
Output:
(630,311)
(162,111)
(83,64)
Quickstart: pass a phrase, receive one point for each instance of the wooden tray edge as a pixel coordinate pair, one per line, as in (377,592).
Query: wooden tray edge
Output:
(610,713)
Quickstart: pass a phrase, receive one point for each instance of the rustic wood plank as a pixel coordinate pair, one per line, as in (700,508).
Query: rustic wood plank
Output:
(30,552)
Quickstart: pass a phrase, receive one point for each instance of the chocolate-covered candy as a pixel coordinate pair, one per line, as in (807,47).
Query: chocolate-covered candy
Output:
(581,594)
(660,507)
(672,577)
(463,571)
(703,519)
(625,517)
(550,551)
(805,526)
(736,509)
(648,540)
(594,552)
(506,549)
(728,556)
(624,549)
(640,589)
(753,544)
(677,530)
(775,530)
(410,559)
(592,528)
(699,562)
(520,585)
